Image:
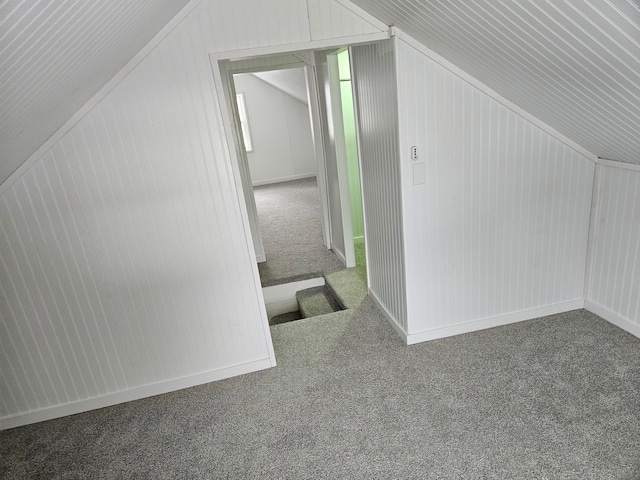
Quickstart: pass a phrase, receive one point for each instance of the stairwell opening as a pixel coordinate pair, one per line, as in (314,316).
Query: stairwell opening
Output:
(323,210)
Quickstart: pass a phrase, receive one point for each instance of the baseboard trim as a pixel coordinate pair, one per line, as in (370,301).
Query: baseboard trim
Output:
(136,393)
(613,317)
(290,178)
(390,318)
(491,322)
(340,255)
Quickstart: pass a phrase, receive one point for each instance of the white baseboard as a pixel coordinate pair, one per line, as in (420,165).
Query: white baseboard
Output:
(613,317)
(491,322)
(283,179)
(136,393)
(340,255)
(394,323)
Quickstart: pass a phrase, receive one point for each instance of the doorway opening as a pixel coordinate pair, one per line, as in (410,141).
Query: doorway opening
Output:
(300,179)
(278,140)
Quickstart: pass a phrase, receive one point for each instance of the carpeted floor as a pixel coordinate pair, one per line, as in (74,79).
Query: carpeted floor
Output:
(291,224)
(552,398)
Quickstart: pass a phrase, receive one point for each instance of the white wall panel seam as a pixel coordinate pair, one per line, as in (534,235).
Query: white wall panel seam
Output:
(83,283)
(29,321)
(63,312)
(93,254)
(72,287)
(32,401)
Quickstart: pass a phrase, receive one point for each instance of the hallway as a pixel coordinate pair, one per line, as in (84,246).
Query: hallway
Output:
(291,225)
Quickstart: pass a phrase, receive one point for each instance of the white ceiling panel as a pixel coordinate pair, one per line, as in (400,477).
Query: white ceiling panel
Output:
(574,64)
(56,54)
(290,80)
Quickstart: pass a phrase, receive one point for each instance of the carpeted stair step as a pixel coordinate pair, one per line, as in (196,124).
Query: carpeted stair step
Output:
(285,317)
(317,301)
(348,287)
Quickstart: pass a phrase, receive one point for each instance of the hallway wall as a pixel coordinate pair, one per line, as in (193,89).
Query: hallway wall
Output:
(377,109)
(280,131)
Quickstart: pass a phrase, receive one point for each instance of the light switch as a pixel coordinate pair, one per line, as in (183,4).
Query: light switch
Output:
(419,173)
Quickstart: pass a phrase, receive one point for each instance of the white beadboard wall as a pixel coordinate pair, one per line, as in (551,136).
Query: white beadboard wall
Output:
(280,131)
(125,267)
(340,18)
(375,99)
(614,251)
(498,231)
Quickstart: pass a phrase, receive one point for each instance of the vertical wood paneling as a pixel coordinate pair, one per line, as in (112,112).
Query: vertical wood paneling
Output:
(574,64)
(124,262)
(333,20)
(55,327)
(253,23)
(614,275)
(376,105)
(501,224)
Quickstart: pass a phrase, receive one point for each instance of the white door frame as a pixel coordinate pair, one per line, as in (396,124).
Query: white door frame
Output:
(233,131)
(224,88)
(341,158)
(318,142)
(235,143)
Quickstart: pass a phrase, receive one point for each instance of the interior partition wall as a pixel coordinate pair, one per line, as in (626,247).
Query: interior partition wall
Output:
(375,90)
(495,208)
(126,265)
(613,280)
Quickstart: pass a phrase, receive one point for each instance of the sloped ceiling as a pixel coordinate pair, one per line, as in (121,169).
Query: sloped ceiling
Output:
(56,54)
(289,80)
(574,64)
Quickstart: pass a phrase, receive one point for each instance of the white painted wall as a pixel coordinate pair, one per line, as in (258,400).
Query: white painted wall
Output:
(498,231)
(126,269)
(376,104)
(280,131)
(614,251)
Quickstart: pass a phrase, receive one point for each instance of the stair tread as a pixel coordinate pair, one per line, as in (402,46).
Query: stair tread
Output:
(348,287)
(285,317)
(317,301)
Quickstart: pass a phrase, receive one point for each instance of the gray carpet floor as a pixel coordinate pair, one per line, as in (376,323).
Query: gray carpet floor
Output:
(552,398)
(291,224)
